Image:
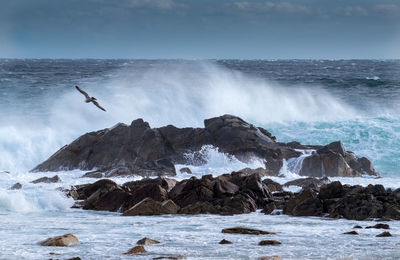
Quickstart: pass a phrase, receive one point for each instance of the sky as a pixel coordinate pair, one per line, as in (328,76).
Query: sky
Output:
(206,29)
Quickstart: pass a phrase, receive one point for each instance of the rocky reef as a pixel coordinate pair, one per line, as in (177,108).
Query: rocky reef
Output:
(239,193)
(138,149)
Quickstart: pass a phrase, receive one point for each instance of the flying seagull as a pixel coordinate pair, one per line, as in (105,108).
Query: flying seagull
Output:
(90,99)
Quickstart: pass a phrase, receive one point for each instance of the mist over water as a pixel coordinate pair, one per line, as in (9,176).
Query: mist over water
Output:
(308,101)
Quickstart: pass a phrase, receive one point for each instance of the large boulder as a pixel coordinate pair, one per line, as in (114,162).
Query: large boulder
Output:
(150,207)
(333,160)
(306,203)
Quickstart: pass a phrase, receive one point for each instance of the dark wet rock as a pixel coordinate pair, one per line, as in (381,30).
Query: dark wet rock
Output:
(149,151)
(74,258)
(150,190)
(305,203)
(150,207)
(260,171)
(138,149)
(334,160)
(135,250)
(384,234)
(64,240)
(147,241)
(224,242)
(94,174)
(272,185)
(185,170)
(308,182)
(165,183)
(104,186)
(380,226)
(247,231)
(269,208)
(53,179)
(16,186)
(357,226)
(351,233)
(331,190)
(269,242)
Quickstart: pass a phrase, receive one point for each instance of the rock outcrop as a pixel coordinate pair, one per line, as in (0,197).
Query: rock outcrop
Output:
(138,149)
(238,193)
(333,160)
(351,202)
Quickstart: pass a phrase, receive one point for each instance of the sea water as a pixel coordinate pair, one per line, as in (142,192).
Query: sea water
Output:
(310,101)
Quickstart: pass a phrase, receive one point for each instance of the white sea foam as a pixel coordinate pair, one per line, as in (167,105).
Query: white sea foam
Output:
(179,94)
(217,163)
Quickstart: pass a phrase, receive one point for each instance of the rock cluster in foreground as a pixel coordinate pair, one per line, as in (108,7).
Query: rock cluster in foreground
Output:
(239,193)
(138,149)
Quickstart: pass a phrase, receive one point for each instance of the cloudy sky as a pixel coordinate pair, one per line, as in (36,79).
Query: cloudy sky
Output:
(194,29)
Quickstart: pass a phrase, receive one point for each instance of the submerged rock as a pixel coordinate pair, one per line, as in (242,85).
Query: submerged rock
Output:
(351,233)
(380,226)
(16,186)
(53,179)
(147,241)
(224,242)
(272,257)
(269,242)
(247,231)
(64,240)
(384,234)
(135,250)
(357,226)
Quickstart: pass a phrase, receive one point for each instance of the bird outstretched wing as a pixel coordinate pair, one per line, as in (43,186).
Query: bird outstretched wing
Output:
(97,105)
(83,92)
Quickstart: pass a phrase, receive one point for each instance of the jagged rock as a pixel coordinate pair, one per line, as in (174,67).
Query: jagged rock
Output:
(94,174)
(269,208)
(269,242)
(16,186)
(147,241)
(272,185)
(380,226)
(260,171)
(150,190)
(351,233)
(53,179)
(149,151)
(306,203)
(334,160)
(331,190)
(135,250)
(308,182)
(384,234)
(150,207)
(247,231)
(224,242)
(64,240)
(185,170)
(103,186)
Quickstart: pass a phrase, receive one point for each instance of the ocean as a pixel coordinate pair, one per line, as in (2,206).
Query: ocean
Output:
(310,101)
